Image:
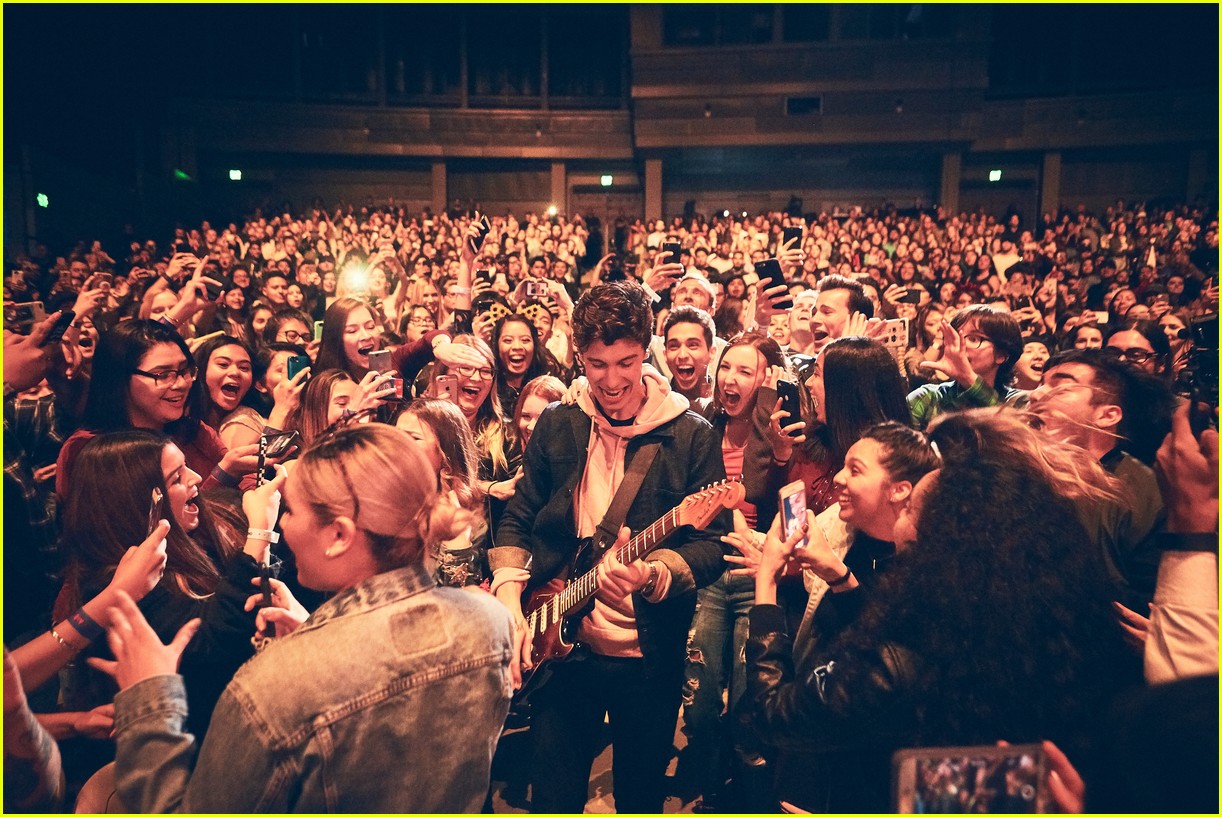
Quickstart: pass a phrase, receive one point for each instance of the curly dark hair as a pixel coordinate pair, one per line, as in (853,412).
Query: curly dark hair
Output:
(1004,606)
(612,312)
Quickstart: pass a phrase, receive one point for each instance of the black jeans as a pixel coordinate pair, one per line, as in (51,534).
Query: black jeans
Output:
(566,715)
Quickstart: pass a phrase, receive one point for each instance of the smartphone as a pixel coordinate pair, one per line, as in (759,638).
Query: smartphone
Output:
(895,333)
(675,249)
(913,296)
(103,280)
(21,317)
(213,289)
(484,228)
(769,271)
(790,403)
(536,290)
(265,587)
(154,511)
(318,330)
(484,275)
(970,779)
(1100,316)
(56,333)
(789,234)
(295,364)
(793,509)
(445,387)
(279,444)
(380,361)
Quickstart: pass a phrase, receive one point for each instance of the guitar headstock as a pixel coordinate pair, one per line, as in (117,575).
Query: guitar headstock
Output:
(699,509)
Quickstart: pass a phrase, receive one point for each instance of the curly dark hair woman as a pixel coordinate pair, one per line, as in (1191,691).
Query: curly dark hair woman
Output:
(994,625)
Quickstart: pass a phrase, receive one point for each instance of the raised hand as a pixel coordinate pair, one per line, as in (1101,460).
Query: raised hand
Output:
(953,363)
(139,653)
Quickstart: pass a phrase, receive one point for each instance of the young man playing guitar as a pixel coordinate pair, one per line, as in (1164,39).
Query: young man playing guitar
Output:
(629,667)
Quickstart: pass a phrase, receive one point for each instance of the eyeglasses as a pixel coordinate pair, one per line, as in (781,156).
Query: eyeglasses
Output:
(974,341)
(470,372)
(1131,355)
(421,321)
(165,379)
(293,336)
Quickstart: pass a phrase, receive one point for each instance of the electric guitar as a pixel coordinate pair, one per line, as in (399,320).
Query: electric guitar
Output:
(554,609)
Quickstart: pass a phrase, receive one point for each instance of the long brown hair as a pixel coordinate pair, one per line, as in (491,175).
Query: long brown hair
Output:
(491,438)
(310,417)
(107,512)
(460,459)
(768,348)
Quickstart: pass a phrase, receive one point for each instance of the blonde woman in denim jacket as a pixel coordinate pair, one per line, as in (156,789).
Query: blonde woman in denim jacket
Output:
(327,716)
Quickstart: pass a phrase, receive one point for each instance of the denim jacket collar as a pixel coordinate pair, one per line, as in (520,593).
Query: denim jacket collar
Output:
(375,591)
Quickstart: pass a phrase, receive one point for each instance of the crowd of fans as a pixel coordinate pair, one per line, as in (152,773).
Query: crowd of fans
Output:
(232,447)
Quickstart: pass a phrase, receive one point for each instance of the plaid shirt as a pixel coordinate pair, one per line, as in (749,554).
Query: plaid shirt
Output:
(33,434)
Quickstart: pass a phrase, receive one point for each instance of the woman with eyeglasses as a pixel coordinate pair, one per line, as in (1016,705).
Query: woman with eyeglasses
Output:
(476,396)
(144,377)
(419,323)
(319,720)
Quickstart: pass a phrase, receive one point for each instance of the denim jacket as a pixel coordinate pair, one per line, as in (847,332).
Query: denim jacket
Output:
(390,698)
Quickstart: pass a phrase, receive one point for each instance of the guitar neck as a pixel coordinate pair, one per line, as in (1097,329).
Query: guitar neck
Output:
(580,590)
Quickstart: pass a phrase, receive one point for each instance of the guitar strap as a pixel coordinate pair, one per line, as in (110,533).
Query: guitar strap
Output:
(613,520)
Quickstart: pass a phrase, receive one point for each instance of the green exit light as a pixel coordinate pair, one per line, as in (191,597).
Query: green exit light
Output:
(235,175)
(42,200)
(606,181)
(181,175)
(994,175)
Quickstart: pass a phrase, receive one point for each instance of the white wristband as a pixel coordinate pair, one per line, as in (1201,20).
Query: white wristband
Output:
(263,535)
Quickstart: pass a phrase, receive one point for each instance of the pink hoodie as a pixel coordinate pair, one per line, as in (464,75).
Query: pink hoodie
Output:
(611,627)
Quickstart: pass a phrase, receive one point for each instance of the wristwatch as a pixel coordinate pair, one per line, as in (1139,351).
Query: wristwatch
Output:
(648,588)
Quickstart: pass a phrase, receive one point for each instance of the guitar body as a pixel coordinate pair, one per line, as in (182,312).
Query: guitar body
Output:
(553,633)
(555,609)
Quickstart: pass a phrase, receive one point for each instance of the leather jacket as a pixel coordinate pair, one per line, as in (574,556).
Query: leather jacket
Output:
(390,698)
(853,712)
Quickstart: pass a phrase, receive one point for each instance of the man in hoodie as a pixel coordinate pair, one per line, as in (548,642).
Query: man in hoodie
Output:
(629,669)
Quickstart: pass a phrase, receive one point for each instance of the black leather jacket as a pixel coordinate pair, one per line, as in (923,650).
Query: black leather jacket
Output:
(852,712)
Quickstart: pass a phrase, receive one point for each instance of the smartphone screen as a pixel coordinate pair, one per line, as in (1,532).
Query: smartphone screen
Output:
(793,508)
(278,445)
(970,779)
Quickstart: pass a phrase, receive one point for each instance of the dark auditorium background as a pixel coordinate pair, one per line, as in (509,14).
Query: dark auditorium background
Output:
(145,114)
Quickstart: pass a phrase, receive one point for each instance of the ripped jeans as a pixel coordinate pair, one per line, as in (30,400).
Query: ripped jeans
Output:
(715,658)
